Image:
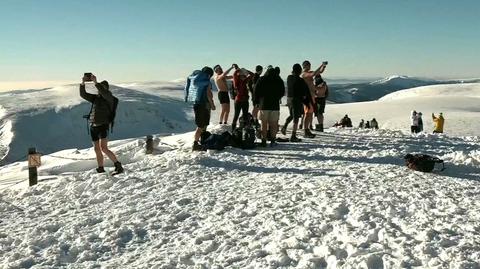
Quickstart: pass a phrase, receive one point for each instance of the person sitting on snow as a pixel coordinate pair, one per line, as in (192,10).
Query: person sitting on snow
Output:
(374,124)
(346,121)
(362,124)
(367,125)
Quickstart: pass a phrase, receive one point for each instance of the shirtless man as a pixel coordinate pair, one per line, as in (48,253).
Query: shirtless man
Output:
(221,82)
(308,76)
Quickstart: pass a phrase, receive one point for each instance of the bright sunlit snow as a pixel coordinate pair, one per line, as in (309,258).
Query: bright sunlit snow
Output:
(341,200)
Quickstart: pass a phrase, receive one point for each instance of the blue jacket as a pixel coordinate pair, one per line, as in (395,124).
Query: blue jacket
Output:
(196,87)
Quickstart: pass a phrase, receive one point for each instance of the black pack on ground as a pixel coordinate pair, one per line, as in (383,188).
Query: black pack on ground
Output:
(215,141)
(422,162)
(244,138)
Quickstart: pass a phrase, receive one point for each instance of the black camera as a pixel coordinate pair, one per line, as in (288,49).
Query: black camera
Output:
(88,76)
(325,63)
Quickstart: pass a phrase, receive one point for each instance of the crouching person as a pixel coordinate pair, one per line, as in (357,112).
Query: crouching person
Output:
(100,118)
(198,91)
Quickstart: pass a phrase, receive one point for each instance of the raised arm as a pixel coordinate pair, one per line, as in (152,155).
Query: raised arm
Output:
(225,74)
(187,89)
(84,94)
(320,69)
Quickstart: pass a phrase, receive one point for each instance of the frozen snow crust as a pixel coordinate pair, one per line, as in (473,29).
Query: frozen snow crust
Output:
(341,200)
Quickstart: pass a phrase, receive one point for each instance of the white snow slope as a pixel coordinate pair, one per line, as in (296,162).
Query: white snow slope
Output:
(341,200)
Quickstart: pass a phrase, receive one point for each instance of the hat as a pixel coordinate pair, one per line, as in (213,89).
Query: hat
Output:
(104,84)
(208,70)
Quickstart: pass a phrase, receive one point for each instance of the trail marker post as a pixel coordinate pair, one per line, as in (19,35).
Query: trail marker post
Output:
(34,161)
(149,145)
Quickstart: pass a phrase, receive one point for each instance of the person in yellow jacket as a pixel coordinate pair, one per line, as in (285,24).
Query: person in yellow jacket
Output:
(438,121)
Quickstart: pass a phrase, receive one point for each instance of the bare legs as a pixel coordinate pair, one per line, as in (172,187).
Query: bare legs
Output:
(224,113)
(102,146)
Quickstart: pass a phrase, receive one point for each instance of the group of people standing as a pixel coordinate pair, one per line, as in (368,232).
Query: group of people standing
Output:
(306,96)
(416,122)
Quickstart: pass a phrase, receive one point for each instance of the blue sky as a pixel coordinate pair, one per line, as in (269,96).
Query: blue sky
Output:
(126,40)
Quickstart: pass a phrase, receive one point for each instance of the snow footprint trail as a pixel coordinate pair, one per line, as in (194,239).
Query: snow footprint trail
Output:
(342,200)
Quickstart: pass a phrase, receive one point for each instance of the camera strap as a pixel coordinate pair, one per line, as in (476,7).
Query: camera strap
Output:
(88,116)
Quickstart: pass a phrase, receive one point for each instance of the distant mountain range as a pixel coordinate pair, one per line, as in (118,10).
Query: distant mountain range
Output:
(369,91)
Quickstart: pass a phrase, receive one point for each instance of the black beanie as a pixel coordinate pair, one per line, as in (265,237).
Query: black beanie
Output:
(104,84)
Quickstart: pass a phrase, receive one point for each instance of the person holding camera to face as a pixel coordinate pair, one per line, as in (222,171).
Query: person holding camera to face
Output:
(100,118)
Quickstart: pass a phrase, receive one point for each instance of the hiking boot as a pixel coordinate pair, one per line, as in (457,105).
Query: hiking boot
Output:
(264,143)
(196,146)
(295,139)
(118,168)
(100,169)
(308,134)
(300,126)
(319,127)
(284,130)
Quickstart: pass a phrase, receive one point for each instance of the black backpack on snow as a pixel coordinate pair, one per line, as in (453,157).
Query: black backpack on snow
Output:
(244,138)
(215,141)
(422,162)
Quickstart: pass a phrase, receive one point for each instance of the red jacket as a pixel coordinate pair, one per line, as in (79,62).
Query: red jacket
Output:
(240,85)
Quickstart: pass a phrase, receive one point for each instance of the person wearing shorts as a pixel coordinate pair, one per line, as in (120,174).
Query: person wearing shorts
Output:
(308,76)
(268,91)
(99,118)
(320,101)
(298,92)
(198,90)
(222,86)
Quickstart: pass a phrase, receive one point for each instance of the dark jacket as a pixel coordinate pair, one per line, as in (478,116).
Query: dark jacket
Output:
(269,90)
(290,88)
(298,89)
(102,104)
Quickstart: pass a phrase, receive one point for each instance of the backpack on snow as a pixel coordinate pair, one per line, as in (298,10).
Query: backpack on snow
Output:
(422,162)
(244,138)
(215,141)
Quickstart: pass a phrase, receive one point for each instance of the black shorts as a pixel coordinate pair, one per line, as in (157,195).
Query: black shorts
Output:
(223,98)
(320,105)
(202,115)
(297,109)
(99,132)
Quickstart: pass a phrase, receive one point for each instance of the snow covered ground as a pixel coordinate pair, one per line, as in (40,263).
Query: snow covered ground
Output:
(341,200)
